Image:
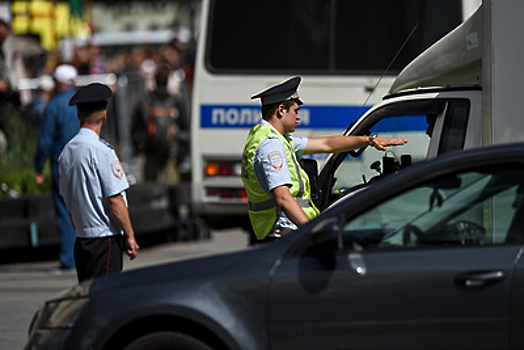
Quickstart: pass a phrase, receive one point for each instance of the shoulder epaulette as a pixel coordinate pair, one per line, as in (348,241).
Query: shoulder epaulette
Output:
(106,143)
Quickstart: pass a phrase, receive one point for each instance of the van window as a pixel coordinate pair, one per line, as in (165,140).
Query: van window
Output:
(323,36)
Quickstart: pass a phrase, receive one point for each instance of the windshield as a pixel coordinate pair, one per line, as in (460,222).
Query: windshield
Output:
(426,124)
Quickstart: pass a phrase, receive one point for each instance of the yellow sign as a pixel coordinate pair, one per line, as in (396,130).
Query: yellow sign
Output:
(50,20)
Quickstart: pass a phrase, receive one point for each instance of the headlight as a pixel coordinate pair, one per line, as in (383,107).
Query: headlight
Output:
(62,311)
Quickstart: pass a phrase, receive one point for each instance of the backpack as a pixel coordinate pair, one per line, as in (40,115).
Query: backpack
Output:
(162,123)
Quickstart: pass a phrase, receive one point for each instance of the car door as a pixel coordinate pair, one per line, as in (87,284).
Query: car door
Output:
(429,268)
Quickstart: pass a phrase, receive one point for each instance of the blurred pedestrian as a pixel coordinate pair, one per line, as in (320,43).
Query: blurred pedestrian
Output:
(98,60)
(59,125)
(42,95)
(81,57)
(93,184)
(164,114)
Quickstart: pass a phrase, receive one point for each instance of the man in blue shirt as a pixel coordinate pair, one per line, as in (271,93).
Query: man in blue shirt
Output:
(93,184)
(59,125)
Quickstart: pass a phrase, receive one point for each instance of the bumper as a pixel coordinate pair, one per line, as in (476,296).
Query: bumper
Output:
(48,339)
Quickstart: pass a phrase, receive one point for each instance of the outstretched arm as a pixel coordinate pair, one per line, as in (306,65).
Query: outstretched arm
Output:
(335,144)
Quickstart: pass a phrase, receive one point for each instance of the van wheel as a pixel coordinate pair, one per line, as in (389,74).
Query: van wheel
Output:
(166,340)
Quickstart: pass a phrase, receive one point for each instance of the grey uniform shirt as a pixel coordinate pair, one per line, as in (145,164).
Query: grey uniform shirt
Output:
(89,173)
(271,168)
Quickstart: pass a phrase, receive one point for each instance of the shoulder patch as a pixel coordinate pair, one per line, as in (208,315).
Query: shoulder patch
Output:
(117,169)
(276,159)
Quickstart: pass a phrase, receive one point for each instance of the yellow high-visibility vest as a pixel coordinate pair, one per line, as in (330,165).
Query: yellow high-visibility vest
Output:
(261,205)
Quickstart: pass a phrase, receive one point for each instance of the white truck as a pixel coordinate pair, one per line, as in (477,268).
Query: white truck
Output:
(462,92)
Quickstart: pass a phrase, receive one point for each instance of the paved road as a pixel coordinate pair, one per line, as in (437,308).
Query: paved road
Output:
(25,286)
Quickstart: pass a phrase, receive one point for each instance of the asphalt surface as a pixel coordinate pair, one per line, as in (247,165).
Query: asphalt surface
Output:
(24,286)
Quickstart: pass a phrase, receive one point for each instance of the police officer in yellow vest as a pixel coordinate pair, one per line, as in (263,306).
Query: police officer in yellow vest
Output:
(278,190)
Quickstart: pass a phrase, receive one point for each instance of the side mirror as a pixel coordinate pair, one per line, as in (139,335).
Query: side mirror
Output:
(310,166)
(324,242)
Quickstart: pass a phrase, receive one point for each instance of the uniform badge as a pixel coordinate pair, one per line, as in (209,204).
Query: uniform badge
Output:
(276,160)
(117,169)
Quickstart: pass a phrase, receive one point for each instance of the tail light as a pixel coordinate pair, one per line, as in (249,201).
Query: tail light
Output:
(212,169)
(222,168)
(225,169)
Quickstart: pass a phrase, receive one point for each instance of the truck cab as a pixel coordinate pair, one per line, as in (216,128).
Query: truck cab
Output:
(436,103)
(434,123)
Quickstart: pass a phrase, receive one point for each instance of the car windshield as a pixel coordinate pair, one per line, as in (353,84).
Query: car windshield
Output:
(416,121)
(474,208)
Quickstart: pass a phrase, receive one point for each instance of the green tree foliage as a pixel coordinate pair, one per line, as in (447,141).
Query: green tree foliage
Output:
(16,165)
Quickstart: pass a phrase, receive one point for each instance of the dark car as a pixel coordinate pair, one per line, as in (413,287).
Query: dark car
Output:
(429,258)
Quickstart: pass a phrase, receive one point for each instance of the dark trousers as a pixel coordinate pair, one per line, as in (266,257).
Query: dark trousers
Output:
(155,166)
(98,256)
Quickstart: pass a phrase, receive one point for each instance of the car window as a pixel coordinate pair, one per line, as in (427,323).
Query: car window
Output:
(468,209)
(373,163)
(454,131)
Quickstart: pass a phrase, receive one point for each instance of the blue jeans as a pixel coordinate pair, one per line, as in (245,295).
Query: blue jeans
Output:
(65,228)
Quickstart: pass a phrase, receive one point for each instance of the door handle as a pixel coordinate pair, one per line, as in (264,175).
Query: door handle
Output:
(480,279)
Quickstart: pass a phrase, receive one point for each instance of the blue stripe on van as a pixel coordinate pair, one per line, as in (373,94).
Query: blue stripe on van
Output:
(312,117)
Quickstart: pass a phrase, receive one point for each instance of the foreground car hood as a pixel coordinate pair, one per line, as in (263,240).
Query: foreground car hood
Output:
(214,291)
(196,267)
(256,260)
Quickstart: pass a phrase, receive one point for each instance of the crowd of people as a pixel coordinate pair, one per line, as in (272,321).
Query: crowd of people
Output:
(158,78)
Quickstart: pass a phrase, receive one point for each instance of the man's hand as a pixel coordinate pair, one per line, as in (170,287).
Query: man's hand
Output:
(381,143)
(132,247)
(39,178)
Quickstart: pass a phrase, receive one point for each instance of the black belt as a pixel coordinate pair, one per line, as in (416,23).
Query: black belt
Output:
(275,234)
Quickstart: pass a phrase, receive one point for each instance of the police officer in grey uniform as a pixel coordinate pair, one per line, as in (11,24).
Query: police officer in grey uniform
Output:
(272,170)
(93,183)
(277,203)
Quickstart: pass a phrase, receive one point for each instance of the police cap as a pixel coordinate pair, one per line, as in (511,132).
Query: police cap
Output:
(284,91)
(92,97)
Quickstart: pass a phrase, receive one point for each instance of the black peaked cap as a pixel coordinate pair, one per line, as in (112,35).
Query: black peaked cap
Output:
(283,91)
(92,94)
